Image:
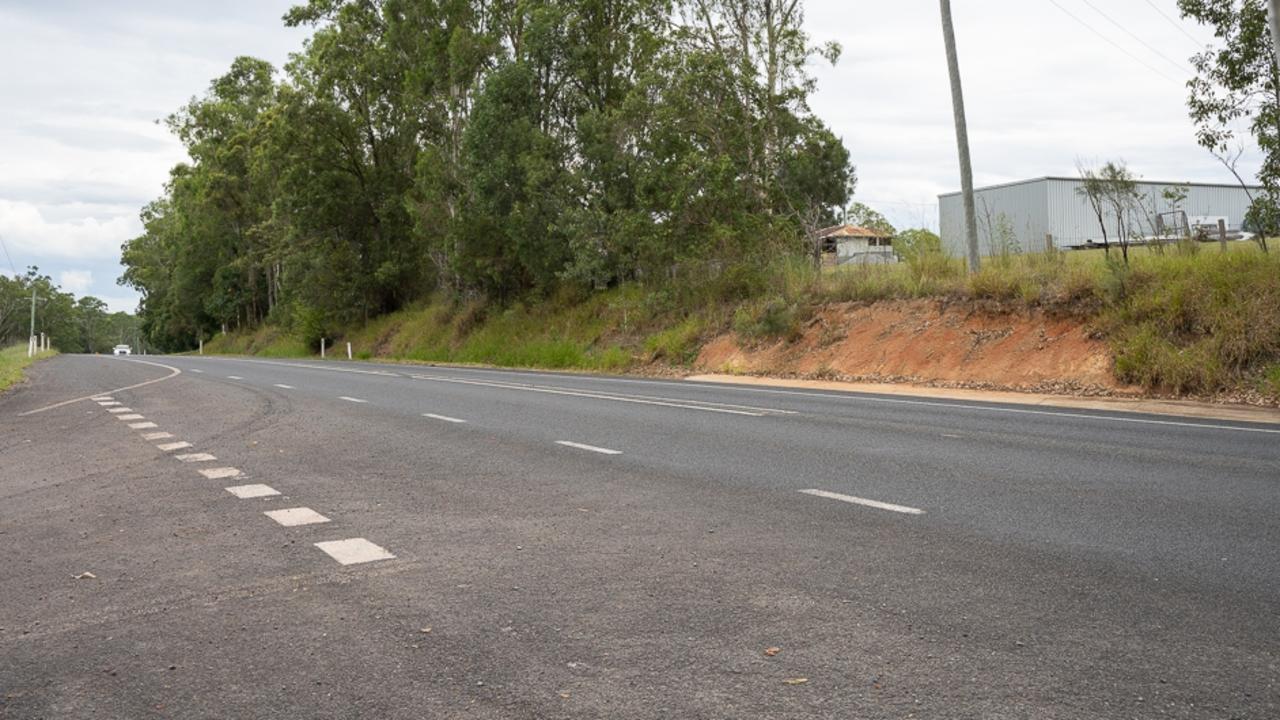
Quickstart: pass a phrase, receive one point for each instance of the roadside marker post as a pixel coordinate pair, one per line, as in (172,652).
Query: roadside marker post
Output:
(348,351)
(321,348)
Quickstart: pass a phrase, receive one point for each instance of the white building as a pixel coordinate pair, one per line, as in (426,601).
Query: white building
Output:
(844,244)
(1027,215)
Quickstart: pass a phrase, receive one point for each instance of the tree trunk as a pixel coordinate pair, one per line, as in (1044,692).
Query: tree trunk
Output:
(962,138)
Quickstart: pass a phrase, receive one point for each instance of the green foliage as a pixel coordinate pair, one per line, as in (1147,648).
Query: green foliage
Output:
(1198,324)
(864,216)
(73,325)
(493,152)
(769,318)
(1235,85)
(13,360)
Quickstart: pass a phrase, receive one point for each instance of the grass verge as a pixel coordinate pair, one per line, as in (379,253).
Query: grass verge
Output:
(1185,320)
(13,360)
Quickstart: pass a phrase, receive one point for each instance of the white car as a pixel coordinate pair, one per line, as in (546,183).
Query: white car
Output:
(122,350)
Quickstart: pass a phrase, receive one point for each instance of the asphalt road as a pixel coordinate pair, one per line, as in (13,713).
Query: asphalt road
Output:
(541,545)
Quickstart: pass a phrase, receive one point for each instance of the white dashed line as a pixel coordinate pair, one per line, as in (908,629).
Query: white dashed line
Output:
(445,418)
(245,492)
(592,448)
(168,447)
(142,425)
(220,473)
(117,411)
(110,403)
(102,398)
(863,501)
(291,517)
(351,399)
(234,377)
(353,551)
(197,371)
(130,416)
(196,457)
(283,386)
(156,436)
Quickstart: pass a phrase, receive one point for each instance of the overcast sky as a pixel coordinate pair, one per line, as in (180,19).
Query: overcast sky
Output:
(83,84)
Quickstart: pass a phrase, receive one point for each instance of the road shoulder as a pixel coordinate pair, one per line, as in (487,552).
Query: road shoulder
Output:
(1177,408)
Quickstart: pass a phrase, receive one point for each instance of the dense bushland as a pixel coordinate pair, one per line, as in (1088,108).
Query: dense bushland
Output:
(500,153)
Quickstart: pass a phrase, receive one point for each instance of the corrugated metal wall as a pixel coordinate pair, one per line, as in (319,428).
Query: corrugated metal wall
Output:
(1034,208)
(1023,207)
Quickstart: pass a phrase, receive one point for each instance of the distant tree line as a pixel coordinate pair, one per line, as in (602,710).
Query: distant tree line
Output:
(73,325)
(488,150)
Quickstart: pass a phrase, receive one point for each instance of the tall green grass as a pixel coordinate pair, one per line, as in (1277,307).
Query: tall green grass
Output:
(13,360)
(1185,320)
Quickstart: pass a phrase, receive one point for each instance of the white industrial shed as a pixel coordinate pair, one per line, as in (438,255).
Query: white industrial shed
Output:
(1032,211)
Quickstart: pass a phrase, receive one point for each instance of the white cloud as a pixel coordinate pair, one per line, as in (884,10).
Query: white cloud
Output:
(31,237)
(76,282)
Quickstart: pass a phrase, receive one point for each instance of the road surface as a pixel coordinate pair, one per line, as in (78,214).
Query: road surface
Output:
(203,537)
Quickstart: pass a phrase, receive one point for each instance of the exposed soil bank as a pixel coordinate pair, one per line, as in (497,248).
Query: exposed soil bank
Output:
(931,342)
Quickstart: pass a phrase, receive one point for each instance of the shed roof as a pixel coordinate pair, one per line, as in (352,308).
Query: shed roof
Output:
(851,231)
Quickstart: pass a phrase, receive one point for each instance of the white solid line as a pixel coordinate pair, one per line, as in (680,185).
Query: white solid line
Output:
(142,425)
(174,372)
(167,447)
(351,399)
(117,411)
(286,387)
(219,473)
(195,457)
(677,403)
(131,416)
(354,550)
(156,436)
(856,396)
(592,448)
(445,418)
(245,492)
(234,377)
(864,501)
(292,517)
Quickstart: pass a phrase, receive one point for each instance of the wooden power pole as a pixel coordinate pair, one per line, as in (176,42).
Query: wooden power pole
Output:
(962,138)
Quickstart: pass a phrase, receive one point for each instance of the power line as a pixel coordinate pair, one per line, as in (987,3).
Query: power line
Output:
(1114,44)
(6,255)
(1144,43)
(1199,44)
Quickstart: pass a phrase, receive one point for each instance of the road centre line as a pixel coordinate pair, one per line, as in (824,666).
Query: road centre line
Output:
(445,418)
(863,501)
(591,448)
(351,399)
(174,372)
(169,447)
(142,425)
(597,396)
